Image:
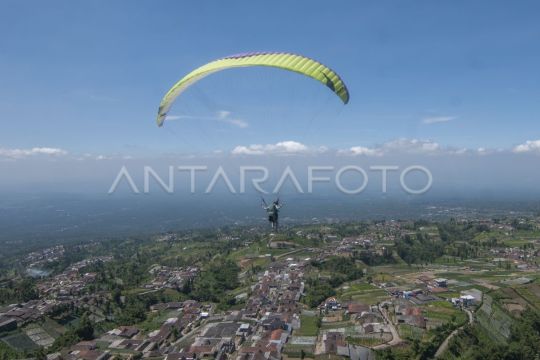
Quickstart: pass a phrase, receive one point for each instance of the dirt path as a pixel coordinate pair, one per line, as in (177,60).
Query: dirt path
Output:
(444,344)
(289,253)
(395,335)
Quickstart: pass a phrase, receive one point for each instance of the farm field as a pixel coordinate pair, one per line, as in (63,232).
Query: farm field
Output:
(308,326)
(19,341)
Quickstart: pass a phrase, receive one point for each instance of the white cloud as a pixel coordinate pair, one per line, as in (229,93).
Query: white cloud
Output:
(238,123)
(223,114)
(362,150)
(411,146)
(220,115)
(23,153)
(460,151)
(284,147)
(437,119)
(398,146)
(527,147)
(429,147)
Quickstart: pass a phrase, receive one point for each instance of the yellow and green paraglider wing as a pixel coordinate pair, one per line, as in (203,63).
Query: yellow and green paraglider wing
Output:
(286,61)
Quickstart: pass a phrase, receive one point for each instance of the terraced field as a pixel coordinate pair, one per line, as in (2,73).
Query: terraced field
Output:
(369,340)
(494,320)
(410,332)
(364,293)
(295,351)
(531,293)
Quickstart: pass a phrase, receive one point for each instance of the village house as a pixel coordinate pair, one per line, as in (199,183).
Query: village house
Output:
(331,341)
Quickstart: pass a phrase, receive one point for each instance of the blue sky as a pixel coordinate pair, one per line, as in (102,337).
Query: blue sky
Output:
(87,77)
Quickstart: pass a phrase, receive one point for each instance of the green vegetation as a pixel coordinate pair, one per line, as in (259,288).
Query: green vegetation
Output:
(317,292)
(18,291)
(339,270)
(83,331)
(8,352)
(523,342)
(452,242)
(364,293)
(410,332)
(298,351)
(309,325)
(20,341)
(494,320)
(420,349)
(366,341)
(230,261)
(443,311)
(214,282)
(528,293)
(418,249)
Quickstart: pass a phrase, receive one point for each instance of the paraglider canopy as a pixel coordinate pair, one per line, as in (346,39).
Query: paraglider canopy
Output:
(286,61)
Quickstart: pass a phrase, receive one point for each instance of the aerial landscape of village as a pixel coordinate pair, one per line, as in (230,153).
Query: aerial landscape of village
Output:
(365,290)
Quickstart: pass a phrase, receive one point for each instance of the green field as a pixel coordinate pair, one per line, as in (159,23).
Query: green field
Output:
(308,326)
(19,341)
(52,327)
(365,296)
(443,311)
(366,341)
(410,332)
(529,293)
(335,325)
(295,351)
(359,287)
(155,320)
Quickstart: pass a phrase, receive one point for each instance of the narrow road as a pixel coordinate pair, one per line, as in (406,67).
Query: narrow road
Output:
(395,335)
(444,344)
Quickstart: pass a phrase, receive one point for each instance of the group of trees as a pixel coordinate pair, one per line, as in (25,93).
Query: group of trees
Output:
(214,281)
(524,342)
(473,343)
(18,291)
(7,352)
(422,350)
(522,225)
(371,258)
(84,330)
(133,310)
(419,248)
(455,240)
(317,292)
(341,270)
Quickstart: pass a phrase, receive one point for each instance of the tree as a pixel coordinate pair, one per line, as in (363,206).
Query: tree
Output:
(85,328)
(26,290)
(40,354)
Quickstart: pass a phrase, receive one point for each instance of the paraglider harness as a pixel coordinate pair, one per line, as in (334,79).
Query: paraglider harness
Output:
(273,212)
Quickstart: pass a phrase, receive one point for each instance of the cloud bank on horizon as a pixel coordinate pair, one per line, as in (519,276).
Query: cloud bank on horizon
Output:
(401,146)
(528,147)
(35,151)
